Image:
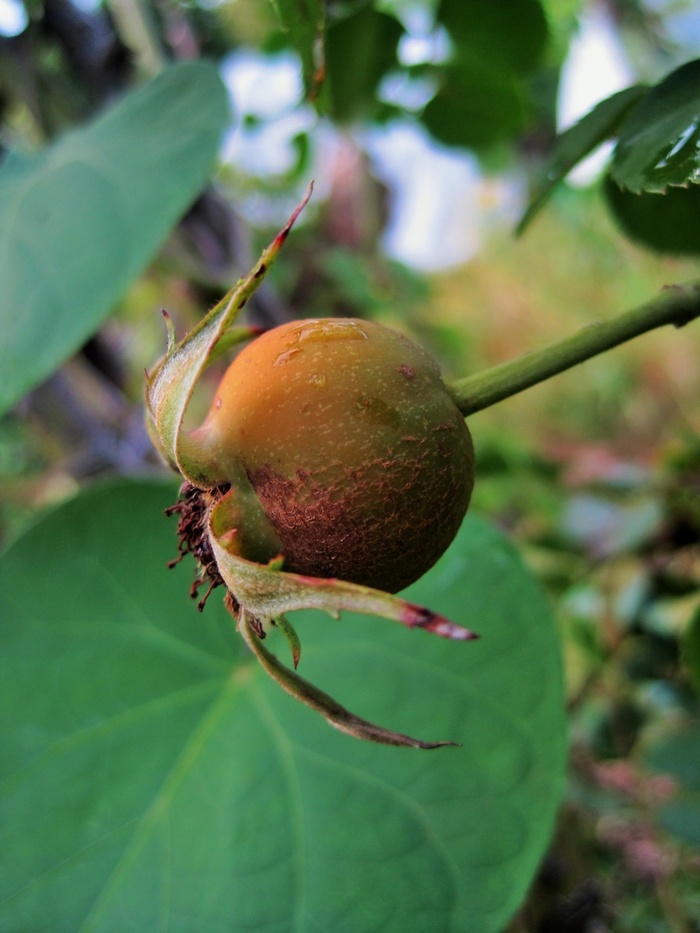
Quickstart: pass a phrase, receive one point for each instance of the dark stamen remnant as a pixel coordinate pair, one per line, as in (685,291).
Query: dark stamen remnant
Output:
(193,510)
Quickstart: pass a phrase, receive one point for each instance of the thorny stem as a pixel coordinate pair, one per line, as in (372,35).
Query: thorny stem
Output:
(676,305)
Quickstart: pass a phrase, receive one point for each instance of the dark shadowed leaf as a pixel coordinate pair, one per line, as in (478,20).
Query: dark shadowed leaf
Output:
(482,99)
(475,107)
(578,141)
(659,142)
(81,219)
(154,778)
(666,223)
(360,50)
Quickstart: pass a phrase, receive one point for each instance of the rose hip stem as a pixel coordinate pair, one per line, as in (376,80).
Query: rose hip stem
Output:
(676,305)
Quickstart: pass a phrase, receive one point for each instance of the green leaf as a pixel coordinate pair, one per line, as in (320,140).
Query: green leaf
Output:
(81,219)
(360,50)
(659,144)
(303,22)
(511,36)
(578,141)
(154,778)
(666,223)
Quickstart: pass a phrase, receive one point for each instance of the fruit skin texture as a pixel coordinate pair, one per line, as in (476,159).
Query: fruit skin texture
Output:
(343,448)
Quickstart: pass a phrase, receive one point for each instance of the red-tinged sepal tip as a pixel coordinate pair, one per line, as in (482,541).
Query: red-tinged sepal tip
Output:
(420,617)
(284,232)
(170,327)
(228,540)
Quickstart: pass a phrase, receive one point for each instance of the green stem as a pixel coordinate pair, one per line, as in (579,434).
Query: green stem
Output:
(676,305)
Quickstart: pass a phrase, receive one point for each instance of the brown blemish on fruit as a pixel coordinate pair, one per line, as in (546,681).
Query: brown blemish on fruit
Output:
(367,525)
(407,371)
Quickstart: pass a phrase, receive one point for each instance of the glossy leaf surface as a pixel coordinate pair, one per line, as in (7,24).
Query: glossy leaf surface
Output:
(659,144)
(154,778)
(578,141)
(81,219)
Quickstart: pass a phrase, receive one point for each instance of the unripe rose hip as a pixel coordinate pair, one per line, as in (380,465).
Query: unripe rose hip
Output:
(344,448)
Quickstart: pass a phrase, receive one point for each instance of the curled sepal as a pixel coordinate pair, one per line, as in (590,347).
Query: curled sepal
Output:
(289,632)
(337,715)
(268,592)
(170,385)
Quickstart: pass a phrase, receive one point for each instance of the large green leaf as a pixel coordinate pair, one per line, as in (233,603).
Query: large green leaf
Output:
(659,142)
(155,779)
(81,219)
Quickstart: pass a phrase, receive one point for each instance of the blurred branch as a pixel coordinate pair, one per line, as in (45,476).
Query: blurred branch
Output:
(677,305)
(138,28)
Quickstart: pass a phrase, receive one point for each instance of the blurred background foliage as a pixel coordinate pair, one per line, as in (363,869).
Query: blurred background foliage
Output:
(425,125)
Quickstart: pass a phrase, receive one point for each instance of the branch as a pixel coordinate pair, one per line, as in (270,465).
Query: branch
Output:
(676,305)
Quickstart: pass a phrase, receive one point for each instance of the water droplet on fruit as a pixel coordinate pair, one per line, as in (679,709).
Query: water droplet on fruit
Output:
(286,356)
(321,331)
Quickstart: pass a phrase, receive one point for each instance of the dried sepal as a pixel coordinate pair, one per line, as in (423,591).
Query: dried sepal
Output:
(290,633)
